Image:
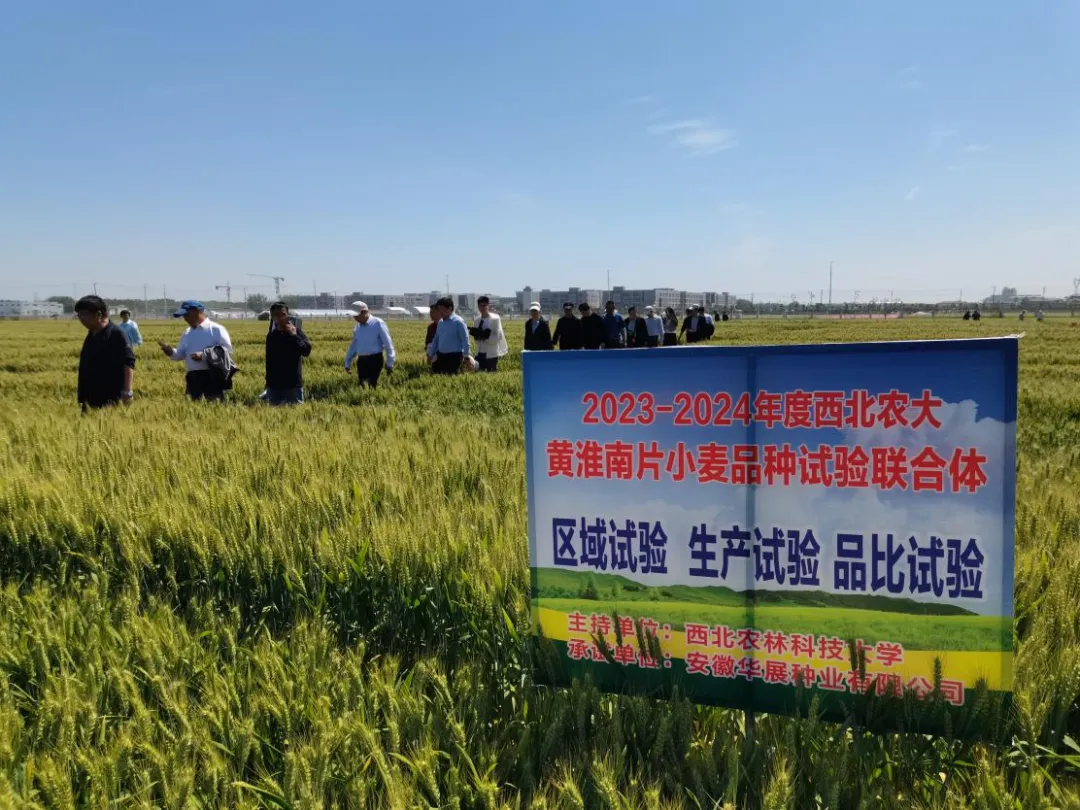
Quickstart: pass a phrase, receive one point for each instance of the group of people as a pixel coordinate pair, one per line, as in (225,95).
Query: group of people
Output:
(614,331)
(107,360)
(446,345)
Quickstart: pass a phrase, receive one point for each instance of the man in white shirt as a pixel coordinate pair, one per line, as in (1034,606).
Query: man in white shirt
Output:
(654,325)
(490,340)
(201,334)
(370,339)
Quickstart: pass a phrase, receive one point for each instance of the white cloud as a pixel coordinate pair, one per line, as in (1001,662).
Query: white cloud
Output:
(696,137)
(639,101)
(913,193)
(976,147)
(960,427)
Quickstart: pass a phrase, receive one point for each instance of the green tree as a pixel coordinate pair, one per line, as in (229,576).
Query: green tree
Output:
(590,591)
(66,300)
(257,302)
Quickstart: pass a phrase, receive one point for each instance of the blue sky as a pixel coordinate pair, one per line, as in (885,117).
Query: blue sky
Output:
(922,146)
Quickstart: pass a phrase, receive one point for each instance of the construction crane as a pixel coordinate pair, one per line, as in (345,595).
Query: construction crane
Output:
(277,282)
(228,291)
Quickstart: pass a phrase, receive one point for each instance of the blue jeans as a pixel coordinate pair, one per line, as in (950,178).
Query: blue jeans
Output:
(285,396)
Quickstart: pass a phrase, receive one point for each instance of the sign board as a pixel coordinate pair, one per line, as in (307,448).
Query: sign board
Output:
(761,510)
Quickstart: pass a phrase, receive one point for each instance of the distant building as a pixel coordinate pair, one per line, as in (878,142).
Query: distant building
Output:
(552,300)
(414,300)
(624,298)
(30,309)
(507,304)
(524,299)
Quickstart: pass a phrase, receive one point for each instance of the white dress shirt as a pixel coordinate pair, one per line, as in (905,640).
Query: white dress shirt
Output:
(654,325)
(369,338)
(199,339)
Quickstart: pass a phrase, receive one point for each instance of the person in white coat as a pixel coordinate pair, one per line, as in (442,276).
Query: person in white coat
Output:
(489,336)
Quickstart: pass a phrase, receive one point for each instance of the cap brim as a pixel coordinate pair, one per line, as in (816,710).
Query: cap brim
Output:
(180,313)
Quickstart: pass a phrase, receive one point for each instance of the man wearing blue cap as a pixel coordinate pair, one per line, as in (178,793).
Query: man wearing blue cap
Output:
(202,334)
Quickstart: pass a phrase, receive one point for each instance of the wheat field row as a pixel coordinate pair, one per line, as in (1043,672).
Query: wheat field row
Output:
(325,606)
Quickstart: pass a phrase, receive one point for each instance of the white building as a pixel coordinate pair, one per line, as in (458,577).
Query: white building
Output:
(552,300)
(660,297)
(30,309)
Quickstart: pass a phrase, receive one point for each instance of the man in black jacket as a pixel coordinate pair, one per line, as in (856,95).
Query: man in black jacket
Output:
(537,332)
(637,332)
(593,328)
(695,326)
(568,330)
(286,348)
(107,362)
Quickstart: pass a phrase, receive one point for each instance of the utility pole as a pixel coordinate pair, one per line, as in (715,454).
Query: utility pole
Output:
(95,288)
(145,302)
(830,285)
(164,300)
(608,291)
(448,285)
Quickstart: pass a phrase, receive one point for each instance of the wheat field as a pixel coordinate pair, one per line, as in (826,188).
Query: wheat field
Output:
(209,606)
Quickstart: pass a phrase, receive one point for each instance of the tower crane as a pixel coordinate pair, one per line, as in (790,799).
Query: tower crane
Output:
(277,282)
(228,291)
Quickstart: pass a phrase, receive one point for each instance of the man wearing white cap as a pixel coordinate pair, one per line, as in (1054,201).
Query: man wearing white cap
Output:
(654,326)
(537,331)
(370,339)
